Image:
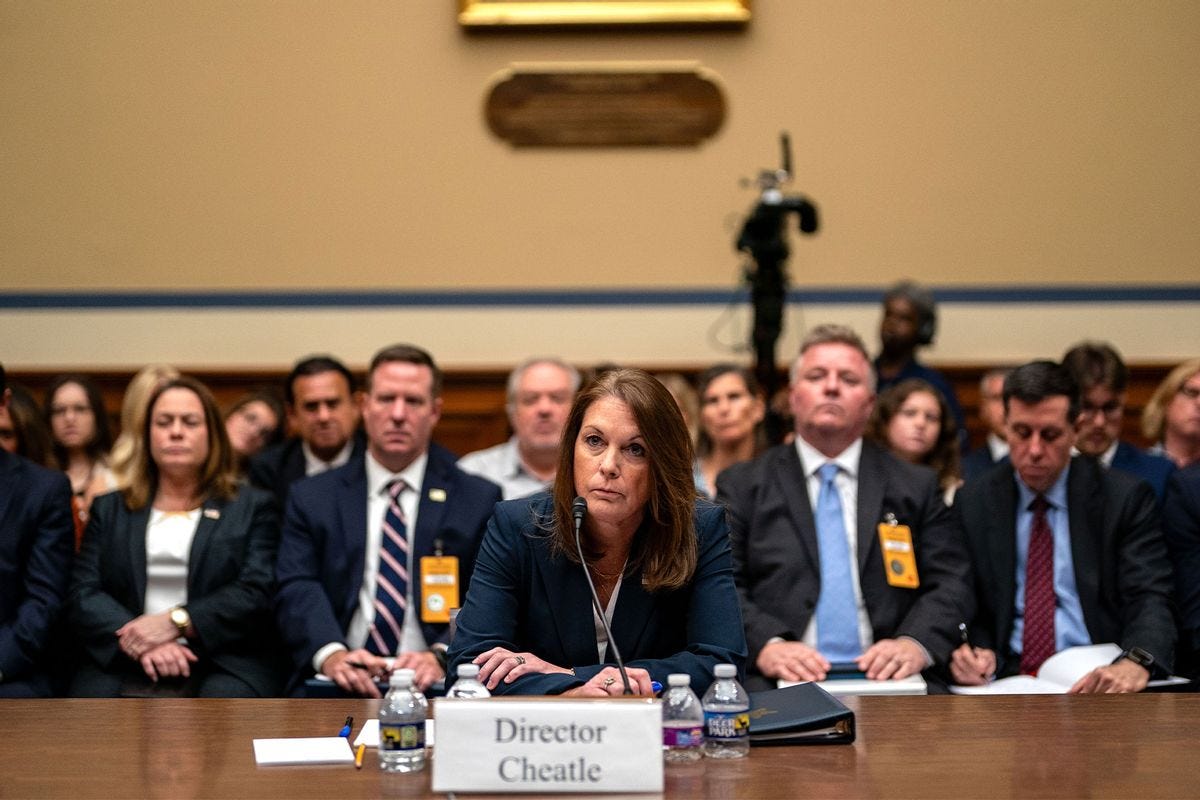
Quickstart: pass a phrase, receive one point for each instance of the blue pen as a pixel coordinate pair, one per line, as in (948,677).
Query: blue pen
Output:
(345,732)
(655,687)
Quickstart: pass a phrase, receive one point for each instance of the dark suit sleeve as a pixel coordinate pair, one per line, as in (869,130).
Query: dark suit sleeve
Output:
(737,489)
(24,634)
(1181,524)
(303,612)
(227,616)
(95,613)
(1144,577)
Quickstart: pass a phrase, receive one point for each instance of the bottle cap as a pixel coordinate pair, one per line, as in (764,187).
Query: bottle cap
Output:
(725,671)
(679,679)
(401,677)
(468,670)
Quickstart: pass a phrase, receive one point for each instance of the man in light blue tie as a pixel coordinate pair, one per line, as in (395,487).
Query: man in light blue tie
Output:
(842,553)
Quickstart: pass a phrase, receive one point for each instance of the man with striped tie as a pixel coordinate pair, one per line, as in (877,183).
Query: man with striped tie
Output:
(371,550)
(1065,552)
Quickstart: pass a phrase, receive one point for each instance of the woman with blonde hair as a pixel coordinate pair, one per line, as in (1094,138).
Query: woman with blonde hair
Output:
(127,448)
(1171,418)
(171,592)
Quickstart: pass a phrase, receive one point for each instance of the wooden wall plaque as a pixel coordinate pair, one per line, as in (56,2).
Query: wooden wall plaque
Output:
(605,104)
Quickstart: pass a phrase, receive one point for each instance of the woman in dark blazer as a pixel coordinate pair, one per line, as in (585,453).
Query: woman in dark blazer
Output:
(658,557)
(171,590)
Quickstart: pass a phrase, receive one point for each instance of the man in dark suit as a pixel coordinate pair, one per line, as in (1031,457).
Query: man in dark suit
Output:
(1064,552)
(1102,376)
(323,415)
(1181,524)
(817,585)
(37,537)
(361,543)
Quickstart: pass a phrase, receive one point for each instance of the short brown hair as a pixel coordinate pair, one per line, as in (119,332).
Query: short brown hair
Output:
(832,333)
(408,354)
(666,552)
(218,475)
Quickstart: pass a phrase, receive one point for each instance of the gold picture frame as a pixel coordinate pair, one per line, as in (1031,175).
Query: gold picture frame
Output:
(515,13)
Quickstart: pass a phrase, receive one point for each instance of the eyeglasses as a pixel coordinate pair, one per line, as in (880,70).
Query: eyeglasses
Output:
(1110,409)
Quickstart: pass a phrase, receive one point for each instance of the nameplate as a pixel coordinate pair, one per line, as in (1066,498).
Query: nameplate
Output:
(605,104)
(548,745)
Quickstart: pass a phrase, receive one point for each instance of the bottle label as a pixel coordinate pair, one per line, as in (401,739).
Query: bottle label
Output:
(401,737)
(727,725)
(677,738)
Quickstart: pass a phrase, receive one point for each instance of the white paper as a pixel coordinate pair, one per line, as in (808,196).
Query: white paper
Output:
(369,735)
(315,750)
(1057,674)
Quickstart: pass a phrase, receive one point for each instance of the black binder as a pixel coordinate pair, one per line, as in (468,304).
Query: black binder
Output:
(800,714)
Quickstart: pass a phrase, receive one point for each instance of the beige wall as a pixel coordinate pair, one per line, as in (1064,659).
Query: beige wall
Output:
(308,145)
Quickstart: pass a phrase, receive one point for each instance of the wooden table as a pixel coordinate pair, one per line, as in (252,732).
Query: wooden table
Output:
(955,747)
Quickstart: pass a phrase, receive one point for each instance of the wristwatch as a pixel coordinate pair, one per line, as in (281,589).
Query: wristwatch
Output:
(1138,656)
(181,619)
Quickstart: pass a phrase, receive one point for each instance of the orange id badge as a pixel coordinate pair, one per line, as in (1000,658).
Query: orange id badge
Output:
(899,560)
(439,587)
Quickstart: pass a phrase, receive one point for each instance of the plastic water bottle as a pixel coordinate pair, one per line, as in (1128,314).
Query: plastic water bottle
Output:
(468,687)
(726,716)
(402,725)
(683,720)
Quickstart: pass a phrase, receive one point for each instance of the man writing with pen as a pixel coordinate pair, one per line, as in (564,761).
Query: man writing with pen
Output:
(1065,552)
(375,553)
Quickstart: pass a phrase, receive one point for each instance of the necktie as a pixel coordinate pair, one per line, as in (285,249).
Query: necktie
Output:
(1037,637)
(837,613)
(391,587)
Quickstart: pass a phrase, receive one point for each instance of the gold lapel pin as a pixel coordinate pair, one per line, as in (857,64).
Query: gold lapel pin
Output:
(437,495)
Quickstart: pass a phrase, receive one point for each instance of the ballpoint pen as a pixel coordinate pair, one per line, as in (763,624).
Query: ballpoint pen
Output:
(345,731)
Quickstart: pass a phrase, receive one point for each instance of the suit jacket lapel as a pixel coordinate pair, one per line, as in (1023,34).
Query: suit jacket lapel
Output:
(352,510)
(634,608)
(790,474)
(210,520)
(566,591)
(871,488)
(10,470)
(1085,509)
(1001,538)
(431,507)
(135,536)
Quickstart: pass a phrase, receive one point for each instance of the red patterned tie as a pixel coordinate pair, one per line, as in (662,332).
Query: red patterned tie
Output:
(1037,639)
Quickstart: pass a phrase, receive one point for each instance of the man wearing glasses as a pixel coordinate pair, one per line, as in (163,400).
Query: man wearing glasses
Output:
(1102,377)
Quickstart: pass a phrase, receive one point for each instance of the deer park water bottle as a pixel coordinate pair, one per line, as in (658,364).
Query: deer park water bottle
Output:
(402,725)
(683,720)
(726,716)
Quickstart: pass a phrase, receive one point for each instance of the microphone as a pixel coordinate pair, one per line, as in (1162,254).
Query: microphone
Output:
(578,512)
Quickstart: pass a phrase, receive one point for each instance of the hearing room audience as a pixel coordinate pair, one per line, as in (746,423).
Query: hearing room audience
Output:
(912,420)
(23,430)
(78,425)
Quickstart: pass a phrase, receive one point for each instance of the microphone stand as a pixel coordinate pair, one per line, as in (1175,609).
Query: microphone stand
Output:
(578,510)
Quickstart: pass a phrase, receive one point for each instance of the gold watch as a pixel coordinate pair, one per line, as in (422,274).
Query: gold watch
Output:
(181,619)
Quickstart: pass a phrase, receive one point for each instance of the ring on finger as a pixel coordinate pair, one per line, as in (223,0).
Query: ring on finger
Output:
(609,681)
(520,660)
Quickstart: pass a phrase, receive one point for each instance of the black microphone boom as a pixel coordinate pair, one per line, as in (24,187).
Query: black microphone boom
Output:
(579,511)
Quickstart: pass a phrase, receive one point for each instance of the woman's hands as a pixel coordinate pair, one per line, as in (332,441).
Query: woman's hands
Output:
(607,683)
(142,634)
(502,664)
(169,660)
